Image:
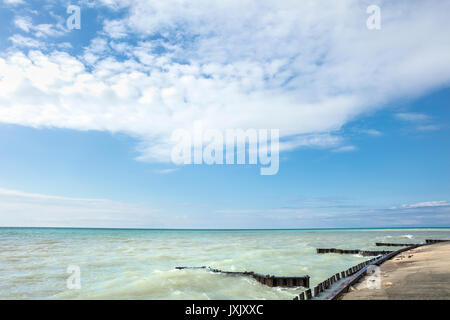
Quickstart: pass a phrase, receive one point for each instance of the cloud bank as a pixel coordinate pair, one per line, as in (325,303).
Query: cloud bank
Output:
(306,68)
(23,209)
(19,208)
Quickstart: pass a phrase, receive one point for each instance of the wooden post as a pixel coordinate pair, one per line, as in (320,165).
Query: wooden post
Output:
(270,281)
(308,294)
(306,282)
(316,291)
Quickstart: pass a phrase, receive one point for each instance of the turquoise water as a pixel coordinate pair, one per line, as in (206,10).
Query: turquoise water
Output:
(139,264)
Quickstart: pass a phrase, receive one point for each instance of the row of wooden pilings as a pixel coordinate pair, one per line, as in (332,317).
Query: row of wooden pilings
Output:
(364,253)
(304,281)
(384,244)
(357,271)
(430,241)
(427,241)
(268,280)
(273,281)
(308,294)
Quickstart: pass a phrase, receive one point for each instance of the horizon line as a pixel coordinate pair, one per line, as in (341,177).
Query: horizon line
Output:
(221,229)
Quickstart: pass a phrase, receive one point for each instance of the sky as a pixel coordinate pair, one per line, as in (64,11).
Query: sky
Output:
(87,113)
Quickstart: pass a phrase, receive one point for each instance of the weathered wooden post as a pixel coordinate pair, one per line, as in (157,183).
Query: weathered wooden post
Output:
(316,291)
(270,281)
(308,294)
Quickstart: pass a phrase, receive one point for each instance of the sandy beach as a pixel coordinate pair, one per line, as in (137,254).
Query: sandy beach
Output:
(422,273)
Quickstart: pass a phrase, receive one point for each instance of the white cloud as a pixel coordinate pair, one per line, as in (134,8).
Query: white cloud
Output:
(413,117)
(23,23)
(275,211)
(166,171)
(373,132)
(19,208)
(421,121)
(428,127)
(427,204)
(41,30)
(21,41)
(115,29)
(345,149)
(13,2)
(336,214)
(23,209)
(48,30)
(306,68)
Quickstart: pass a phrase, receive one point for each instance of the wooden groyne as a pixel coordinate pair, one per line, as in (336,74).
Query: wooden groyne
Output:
(268,280)
(354,274)
(361,271)
(430,241)
(427,241)
(364,253)
(182,268)
(345,278)
(321,287)
(384,244)
(273,281)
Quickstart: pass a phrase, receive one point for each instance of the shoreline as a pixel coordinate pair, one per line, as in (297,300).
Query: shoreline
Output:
(421,273)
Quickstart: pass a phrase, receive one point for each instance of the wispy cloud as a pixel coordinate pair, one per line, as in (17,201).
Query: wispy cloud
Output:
(24,209)
(13,2)
(23,23)
(429,127)
(373,132)
(420,121)
(413,117)
(21,41)
(19,208)
(344,149)
(428,204)
(348,214)
(43,30)
(166,171)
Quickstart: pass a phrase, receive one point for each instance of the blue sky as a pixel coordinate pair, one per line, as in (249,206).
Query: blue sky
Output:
(86,115)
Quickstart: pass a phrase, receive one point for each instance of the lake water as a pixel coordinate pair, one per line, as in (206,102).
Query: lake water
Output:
(139,264)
